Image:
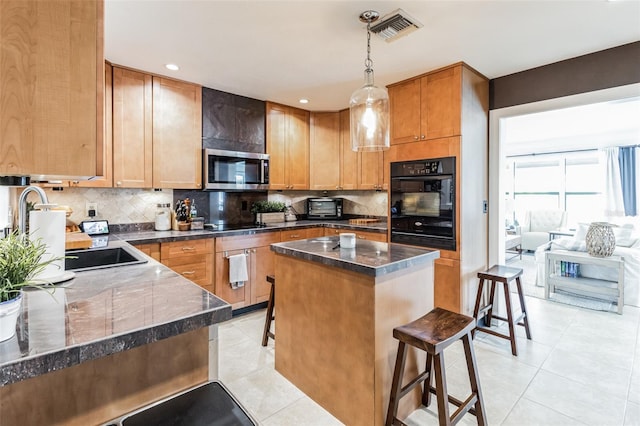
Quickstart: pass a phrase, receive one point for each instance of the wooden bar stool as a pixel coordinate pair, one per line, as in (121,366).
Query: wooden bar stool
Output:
(504,275)
(433,333)
(270,316)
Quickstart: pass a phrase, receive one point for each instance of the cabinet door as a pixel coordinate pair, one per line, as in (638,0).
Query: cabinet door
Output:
(446,276)
(105,161)
(277,145)
(370,170)
(262,264)
(151,249)
(298,149)
(238,297)
(348,157)
(177,130)
(404,99)
(441,103)
(132,129)
(52,83)
(325,150)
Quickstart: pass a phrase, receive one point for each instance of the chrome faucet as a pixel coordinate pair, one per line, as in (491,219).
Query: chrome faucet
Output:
(22,205)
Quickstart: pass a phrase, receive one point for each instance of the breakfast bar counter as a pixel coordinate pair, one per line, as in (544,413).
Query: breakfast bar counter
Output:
(106,342)
(335,312)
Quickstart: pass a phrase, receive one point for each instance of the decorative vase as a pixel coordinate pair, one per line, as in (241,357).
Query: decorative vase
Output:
(601,241)
(9,312)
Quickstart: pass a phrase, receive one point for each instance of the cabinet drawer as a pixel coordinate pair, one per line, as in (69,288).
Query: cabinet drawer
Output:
(246,241)
(300,234)
(193,268)
(184,248)
(360,235)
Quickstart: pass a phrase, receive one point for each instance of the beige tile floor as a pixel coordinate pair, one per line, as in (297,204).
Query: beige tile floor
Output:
(581,368)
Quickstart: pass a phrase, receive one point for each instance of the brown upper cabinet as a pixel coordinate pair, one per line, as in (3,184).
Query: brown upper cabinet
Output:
(132,129)
(104,172)
(156,131)
(52,79)
(177,134)
(427,106)
(334,164)
(288,147)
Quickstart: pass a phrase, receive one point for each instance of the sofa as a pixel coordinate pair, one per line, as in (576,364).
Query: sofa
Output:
(537,224)
(627,247)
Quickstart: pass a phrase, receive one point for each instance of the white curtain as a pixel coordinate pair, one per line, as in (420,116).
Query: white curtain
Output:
(614,203)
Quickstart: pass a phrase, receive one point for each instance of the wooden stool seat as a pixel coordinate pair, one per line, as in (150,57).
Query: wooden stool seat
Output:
(504,275)
(269,316)
(433,333)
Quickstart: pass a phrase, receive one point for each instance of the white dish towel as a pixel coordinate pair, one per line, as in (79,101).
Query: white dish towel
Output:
(238,270)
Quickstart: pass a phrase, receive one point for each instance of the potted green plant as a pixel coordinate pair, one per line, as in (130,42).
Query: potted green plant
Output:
(20,262)
(268,211)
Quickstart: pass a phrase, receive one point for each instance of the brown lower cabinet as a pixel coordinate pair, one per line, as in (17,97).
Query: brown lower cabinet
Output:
(301,234)
(260,263)
(360,235)
(193,259)
(206,261)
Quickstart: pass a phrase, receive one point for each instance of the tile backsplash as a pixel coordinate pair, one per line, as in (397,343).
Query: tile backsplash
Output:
(116,205)
(126,206)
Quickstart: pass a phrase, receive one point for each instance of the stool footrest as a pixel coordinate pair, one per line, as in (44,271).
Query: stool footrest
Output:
(495,333)
(485,309)
(409,386)
(455,401)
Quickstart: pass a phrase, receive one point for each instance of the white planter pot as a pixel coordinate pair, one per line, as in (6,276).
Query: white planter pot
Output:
(9,312)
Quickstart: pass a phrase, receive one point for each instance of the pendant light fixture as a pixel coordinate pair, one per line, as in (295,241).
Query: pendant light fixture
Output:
(369,105)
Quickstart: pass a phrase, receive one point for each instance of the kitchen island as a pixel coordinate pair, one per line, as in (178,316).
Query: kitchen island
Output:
(335,311)
(107,342)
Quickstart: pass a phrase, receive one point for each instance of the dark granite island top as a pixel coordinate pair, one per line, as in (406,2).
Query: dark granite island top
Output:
(368,257)
(109,329)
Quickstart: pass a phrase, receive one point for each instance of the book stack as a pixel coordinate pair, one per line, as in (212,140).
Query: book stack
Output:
(569,269)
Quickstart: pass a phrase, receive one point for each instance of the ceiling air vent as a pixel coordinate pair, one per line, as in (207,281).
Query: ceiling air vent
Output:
(395,25)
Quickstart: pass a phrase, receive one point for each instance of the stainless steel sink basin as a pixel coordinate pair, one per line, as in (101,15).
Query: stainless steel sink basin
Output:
(84,260)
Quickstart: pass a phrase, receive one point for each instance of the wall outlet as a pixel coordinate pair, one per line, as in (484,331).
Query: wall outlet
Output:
(91,209)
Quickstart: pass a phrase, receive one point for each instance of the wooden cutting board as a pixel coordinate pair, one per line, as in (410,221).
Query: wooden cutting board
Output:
(77,240)
(362,221)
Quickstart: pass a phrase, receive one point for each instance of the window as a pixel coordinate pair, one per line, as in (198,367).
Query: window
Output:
(570,181)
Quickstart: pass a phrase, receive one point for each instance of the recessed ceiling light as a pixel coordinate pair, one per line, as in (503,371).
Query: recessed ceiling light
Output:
(304,101)
(172,67)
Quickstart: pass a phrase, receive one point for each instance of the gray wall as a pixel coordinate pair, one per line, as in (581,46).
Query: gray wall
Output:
(608,68)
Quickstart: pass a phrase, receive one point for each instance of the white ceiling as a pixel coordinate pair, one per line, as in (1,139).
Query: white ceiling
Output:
(285,50)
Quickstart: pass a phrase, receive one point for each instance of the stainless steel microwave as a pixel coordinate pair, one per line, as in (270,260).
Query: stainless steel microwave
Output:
(324,208)
(234,170)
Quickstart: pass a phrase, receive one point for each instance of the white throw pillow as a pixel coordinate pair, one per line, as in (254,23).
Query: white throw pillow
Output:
(624,235)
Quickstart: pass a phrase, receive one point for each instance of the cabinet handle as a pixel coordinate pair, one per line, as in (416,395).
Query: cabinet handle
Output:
(118,183)
(422,137)
(294,236)
(415,138)
(361,237)
(188,272)
(188,248)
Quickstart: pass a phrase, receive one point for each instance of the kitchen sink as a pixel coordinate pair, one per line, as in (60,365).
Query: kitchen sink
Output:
(83,260)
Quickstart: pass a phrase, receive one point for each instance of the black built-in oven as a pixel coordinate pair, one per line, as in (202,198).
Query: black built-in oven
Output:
(423,203)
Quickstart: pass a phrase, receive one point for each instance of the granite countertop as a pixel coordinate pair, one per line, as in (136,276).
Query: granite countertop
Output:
(368,257)
(150,236)
(101,312)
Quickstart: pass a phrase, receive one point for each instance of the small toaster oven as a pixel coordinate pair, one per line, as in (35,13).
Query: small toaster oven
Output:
(324,208)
